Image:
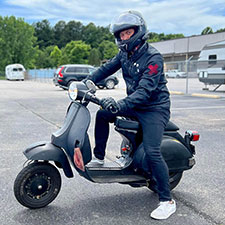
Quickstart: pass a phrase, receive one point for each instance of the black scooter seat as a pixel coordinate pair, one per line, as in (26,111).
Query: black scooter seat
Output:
(171,127)
(129,124)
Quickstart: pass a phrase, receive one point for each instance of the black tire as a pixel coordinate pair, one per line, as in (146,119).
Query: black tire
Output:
(100,87)
(69,83)
(174,179)
(37,185)
(110,84)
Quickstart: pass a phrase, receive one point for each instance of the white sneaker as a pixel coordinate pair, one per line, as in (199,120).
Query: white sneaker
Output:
(164,210)
(97,161)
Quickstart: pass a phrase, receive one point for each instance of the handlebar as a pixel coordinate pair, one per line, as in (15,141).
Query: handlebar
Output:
(83,92)
(92,98)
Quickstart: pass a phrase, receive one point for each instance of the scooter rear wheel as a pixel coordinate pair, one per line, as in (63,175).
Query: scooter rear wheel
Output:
(37,185)
(174,179)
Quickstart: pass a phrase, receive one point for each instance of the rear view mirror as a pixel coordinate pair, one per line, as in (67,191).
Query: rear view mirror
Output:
(91,86)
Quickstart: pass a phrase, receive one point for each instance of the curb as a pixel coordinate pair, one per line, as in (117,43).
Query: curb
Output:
(176,93)
(205,95)
(195,94)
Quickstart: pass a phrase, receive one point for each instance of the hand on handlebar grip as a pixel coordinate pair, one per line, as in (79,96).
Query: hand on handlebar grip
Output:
(109,104)
(113,109)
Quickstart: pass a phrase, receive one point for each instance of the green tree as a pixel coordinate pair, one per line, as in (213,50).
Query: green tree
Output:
(56,55)
(93,35)
(59,36)
(154,37)
(73,31)
(108,50)
(220,30)
(80,52)
(76,52)
(106,34)
(44,33)
(172,36)
(43,59)
(207,30)
(94,57)
(16,42)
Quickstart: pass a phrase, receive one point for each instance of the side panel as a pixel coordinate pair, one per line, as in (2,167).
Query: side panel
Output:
(175,154)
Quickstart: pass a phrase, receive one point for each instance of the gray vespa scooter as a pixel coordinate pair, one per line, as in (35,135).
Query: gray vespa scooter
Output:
(39,182)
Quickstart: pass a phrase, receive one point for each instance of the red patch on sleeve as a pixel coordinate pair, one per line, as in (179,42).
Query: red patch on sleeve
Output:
(153,69)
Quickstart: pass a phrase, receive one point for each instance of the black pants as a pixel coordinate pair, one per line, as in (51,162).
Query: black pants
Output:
(153,124)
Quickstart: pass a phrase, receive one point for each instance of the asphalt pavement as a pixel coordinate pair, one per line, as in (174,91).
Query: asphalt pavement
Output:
(31,111)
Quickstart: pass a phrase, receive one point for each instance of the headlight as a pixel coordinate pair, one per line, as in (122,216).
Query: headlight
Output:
(73,90)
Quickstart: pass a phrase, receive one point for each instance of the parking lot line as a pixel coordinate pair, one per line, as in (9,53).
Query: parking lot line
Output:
(203,107)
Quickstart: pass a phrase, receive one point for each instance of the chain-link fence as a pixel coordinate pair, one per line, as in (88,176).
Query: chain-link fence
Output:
(46,75)
(191,68)
(41,75)
(187,66)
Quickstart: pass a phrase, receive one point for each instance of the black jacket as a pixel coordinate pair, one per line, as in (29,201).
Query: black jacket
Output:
(143,75)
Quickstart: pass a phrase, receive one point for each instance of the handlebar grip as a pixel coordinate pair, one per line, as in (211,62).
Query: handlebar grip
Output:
(95,100)
(113,109)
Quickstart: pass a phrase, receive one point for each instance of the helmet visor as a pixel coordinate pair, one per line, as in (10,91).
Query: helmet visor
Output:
(125,21)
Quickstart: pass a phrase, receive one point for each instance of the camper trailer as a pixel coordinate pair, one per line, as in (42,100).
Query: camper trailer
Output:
(211,64)
(15,72)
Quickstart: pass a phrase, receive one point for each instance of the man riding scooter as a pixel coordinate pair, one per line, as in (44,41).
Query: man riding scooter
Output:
(147,101)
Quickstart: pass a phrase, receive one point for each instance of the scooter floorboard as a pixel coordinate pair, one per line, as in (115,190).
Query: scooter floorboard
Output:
(112,172)
(108,165)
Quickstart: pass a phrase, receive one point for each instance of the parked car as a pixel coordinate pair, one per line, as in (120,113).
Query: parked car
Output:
(175,74)
(65,74)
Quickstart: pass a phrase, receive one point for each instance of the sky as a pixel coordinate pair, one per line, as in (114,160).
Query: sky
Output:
(188,17)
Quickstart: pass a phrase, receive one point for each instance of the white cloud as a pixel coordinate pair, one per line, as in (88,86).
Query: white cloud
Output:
(164,16)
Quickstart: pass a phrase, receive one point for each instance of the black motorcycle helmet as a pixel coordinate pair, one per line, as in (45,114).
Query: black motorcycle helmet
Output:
(127,20)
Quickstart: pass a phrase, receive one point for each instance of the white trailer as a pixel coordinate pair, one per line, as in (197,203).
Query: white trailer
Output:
(211,64)
(15,72)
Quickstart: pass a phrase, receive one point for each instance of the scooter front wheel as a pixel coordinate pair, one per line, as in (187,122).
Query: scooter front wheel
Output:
(37,185)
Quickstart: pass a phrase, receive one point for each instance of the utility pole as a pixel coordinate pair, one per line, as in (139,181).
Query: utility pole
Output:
(187,66)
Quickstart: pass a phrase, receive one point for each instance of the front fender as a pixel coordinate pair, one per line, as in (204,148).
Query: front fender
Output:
(49,152)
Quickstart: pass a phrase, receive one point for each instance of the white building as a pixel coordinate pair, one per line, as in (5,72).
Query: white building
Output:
(183,48)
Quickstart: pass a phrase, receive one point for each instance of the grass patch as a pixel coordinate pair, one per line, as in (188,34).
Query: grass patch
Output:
(2,77)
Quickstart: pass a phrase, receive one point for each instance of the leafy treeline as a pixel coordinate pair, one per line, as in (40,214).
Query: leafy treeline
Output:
(17,42)
(41,45)
(209,30)
(72,42)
